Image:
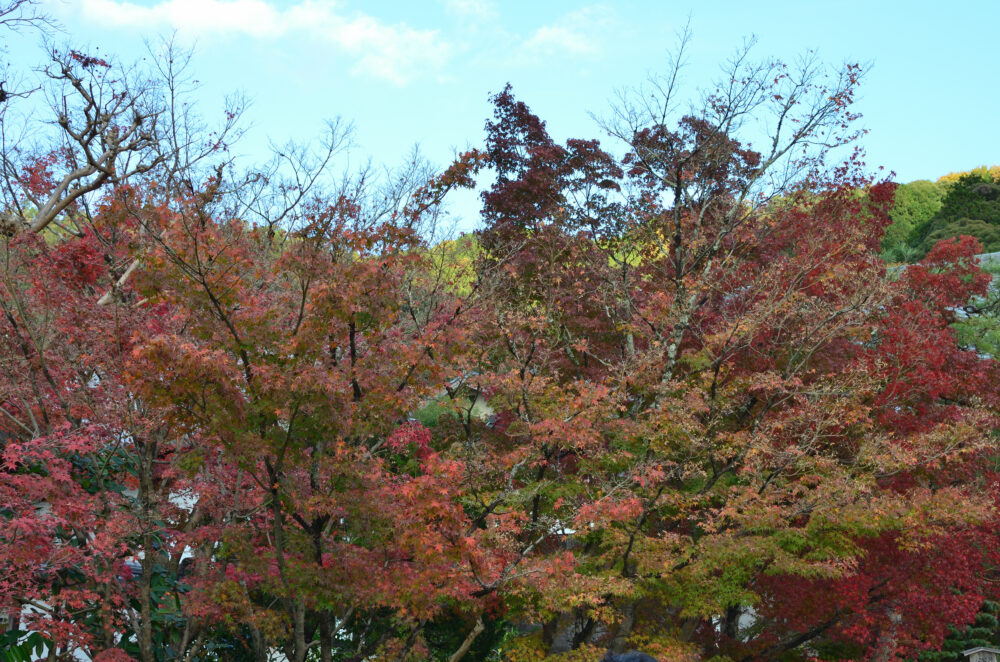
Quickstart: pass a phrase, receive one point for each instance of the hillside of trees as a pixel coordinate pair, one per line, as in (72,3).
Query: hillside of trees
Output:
(924,212)
(668,397)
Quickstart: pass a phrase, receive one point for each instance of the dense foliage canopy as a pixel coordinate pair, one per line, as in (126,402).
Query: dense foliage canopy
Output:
(669,399)
(959,204)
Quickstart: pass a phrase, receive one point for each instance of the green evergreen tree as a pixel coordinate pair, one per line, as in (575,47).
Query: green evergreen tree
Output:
(914,205)
(971,206)
(984,631)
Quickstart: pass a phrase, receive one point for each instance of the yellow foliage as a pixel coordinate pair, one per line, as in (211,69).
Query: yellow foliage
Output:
(986,172)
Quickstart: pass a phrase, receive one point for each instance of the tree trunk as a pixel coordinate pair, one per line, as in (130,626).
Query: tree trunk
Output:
(146,491)
(469,640)
(325,637)
(886,646)
(624,630)
(299,630)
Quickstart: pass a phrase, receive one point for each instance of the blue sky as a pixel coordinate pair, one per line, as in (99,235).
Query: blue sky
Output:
(421,71)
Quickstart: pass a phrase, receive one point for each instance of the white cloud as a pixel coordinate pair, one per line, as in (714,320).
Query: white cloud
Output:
(479,10)
(396,52)
(580,33)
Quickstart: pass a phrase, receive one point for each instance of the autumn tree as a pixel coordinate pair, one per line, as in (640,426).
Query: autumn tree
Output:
(704,378)
(92,502)
(314,362)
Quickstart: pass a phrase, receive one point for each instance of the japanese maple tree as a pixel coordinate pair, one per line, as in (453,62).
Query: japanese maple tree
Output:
(705,379)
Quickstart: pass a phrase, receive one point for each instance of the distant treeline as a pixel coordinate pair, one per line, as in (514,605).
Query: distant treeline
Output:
(963,203)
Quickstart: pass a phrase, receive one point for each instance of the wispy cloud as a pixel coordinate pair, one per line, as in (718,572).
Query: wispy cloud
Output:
(395,52)
(582,33)
(477,10)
